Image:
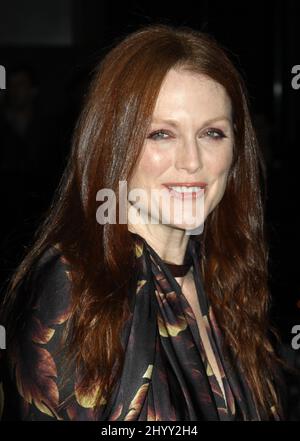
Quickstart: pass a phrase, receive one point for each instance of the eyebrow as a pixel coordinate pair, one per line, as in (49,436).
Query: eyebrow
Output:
(175,123)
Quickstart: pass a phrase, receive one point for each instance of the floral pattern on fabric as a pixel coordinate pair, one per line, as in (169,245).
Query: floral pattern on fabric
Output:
(166,375)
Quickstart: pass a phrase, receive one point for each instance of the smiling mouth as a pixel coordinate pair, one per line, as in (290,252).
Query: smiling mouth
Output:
(186,191)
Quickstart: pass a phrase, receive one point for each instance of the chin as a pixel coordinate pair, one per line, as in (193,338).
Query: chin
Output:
(189,229)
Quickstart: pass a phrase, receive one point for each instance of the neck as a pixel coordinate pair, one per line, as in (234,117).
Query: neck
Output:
(180,270)
(186,279)
(168,242)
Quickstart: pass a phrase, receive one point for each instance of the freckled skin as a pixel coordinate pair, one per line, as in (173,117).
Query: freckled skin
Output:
(187,152)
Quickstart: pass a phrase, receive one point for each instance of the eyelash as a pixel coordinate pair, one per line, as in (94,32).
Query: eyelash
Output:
(219,132)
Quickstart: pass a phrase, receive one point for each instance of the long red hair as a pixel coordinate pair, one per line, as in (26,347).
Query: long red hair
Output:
(107,141)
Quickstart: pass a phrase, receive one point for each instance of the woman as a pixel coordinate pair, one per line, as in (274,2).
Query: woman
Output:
(160,320)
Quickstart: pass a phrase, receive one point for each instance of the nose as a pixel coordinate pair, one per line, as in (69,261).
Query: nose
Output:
(189,156)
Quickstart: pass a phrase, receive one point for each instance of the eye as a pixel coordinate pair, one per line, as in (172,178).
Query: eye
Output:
(155,135)
(215,134)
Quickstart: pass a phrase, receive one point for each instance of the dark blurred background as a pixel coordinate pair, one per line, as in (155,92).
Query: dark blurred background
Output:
(49,49)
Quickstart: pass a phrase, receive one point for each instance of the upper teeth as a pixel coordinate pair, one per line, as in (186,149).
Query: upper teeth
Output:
(185,189)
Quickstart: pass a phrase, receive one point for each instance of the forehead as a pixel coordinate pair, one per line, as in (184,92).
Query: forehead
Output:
(186,93)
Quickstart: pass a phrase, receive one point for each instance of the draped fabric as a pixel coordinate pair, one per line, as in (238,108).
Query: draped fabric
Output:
(166,374)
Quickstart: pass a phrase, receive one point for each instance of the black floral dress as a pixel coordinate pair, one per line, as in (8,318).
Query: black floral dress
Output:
(166,374)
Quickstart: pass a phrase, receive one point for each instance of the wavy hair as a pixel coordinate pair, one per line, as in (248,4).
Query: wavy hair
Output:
(106,144)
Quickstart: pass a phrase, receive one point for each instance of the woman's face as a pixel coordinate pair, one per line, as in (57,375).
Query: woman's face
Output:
(190,141)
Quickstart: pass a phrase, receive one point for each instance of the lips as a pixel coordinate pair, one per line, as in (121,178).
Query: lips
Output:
(185,184)
(187,190)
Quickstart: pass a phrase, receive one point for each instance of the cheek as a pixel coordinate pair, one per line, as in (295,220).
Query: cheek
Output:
(218,171)
(220,165)
(151,166)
